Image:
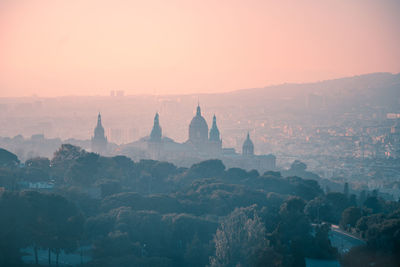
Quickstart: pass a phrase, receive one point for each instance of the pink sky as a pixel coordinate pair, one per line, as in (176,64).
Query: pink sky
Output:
(78,47)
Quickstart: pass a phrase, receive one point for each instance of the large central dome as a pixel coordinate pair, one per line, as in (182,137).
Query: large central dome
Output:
(198,128)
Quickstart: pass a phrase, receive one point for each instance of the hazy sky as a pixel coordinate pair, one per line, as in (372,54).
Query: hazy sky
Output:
(78,47)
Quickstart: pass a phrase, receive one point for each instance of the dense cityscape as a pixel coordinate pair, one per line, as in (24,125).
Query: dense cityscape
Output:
(359,146)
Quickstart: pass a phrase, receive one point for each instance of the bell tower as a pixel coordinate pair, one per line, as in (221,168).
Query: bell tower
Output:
(99,140)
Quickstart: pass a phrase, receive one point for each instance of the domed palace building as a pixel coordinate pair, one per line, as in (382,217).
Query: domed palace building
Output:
(202,144)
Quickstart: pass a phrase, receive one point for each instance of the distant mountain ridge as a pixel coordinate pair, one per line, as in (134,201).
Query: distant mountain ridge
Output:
(376,89)
(359,81)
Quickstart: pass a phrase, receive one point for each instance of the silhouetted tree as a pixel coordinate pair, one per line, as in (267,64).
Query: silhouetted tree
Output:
(373,203)
(319,210)
(63,158)
(55,223)
(292,237)
(37,169)
(8,159)
(239,240)
(298,166)
(339,202)
(13,228)
(350,216)
(346,189)
(207,169)
(109,187)
(322,248)
(84,171)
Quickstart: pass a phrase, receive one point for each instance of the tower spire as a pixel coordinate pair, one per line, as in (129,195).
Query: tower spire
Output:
(99,120)
(99,140)
(156,120)
(198,112)
(214,132)
(156,132)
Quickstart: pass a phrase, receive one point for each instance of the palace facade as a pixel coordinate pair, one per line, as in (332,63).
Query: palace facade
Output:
(202,144)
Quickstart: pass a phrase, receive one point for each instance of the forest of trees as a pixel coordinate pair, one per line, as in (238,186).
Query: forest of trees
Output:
(152,213)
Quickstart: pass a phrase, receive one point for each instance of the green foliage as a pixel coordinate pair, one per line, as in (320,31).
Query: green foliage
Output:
(161,203)
(292,237)
(197,252)
(207,169)
(152,213)
(319,210)
(37,169)
(35,219)
(9,178)
(307,189)
(339,202)
(322,245)
(374,204)
(8,159)
(235,174)
(298,166)
(84,170)
(385,236)
(63,158)
(366,256)
(66,153)
(239,239)
(272,173)
(12,226)
(109,187)
(350,216)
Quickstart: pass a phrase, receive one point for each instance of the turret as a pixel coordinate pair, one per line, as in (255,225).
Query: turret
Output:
(214,132)
(99,130)
(248,147)
(99,140)
(156,132)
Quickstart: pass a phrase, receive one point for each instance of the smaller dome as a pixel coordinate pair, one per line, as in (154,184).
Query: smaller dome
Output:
(198,128)
(248,146)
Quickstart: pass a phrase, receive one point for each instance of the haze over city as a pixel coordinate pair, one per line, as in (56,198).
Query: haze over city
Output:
(200,133)
(56,48)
